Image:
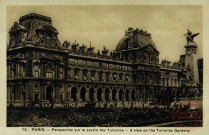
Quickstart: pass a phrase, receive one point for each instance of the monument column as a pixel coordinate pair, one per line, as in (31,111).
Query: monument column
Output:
(191,61)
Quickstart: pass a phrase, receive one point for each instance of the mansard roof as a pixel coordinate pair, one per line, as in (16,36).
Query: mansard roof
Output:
(33,16)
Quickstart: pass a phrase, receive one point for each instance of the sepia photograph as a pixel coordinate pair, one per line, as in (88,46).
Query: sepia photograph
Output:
(104,65)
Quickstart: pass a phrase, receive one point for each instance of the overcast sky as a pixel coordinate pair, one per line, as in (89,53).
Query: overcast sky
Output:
(106,25)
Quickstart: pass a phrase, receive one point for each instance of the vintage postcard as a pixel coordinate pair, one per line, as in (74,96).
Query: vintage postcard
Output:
(104,69)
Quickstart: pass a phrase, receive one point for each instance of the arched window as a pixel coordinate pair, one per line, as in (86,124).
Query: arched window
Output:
(107,76)
(82,94)
(127,77)
(107,98)
(73,93)
(114,77)
(114,94)
(133,95)
(93,75)
(68,74)
(100,64)
(84,75)
(121,94)
(76,74)
(127,94)
(144,58)
(99,94)
(121,77)
(100,76)
(91,94)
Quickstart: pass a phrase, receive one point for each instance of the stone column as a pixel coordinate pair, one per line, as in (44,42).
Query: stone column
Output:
(16,70)
(110,95)
(124,95)
(55,92)
(96,76)
(58,93)
(72,75)
(129,95)
(17,89)
(95,95)
(140,94)
(137,94)
(69,93)
(103,95)
(117,95)
(44,92)
(41,93)
(42,70)
(87,95)
(78,95)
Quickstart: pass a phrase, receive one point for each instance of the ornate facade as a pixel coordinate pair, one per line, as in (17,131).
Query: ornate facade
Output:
(43,72)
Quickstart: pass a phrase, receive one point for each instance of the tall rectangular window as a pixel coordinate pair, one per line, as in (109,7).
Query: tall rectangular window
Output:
(68,74)
(76,74)
(84,75)
(114,75)
(48,74)
(171,82)
(100,64)
(163,81)
(36,71)
(175,82)
(61,73)
(92,64)
(93,75)
(76,62)
(100,76)
(107,77)
(121,77)
(107,66)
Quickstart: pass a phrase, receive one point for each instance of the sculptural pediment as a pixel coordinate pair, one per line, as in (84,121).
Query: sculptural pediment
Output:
(150,48)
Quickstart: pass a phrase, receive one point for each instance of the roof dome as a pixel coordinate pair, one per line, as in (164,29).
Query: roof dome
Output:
(122,44)
(138,40)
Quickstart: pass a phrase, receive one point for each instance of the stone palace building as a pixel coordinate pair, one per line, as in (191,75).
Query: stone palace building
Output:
(42,72)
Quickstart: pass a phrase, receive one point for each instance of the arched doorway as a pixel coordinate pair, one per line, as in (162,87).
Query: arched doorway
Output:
(107,91)
(99,94)
(73,93)
(114,94)
(91,94)
(127,94)
(49,94)
(133,95)
(121,94)
(83,94)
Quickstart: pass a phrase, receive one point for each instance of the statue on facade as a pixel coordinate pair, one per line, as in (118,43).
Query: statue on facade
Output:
(66,44)
(190,37)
